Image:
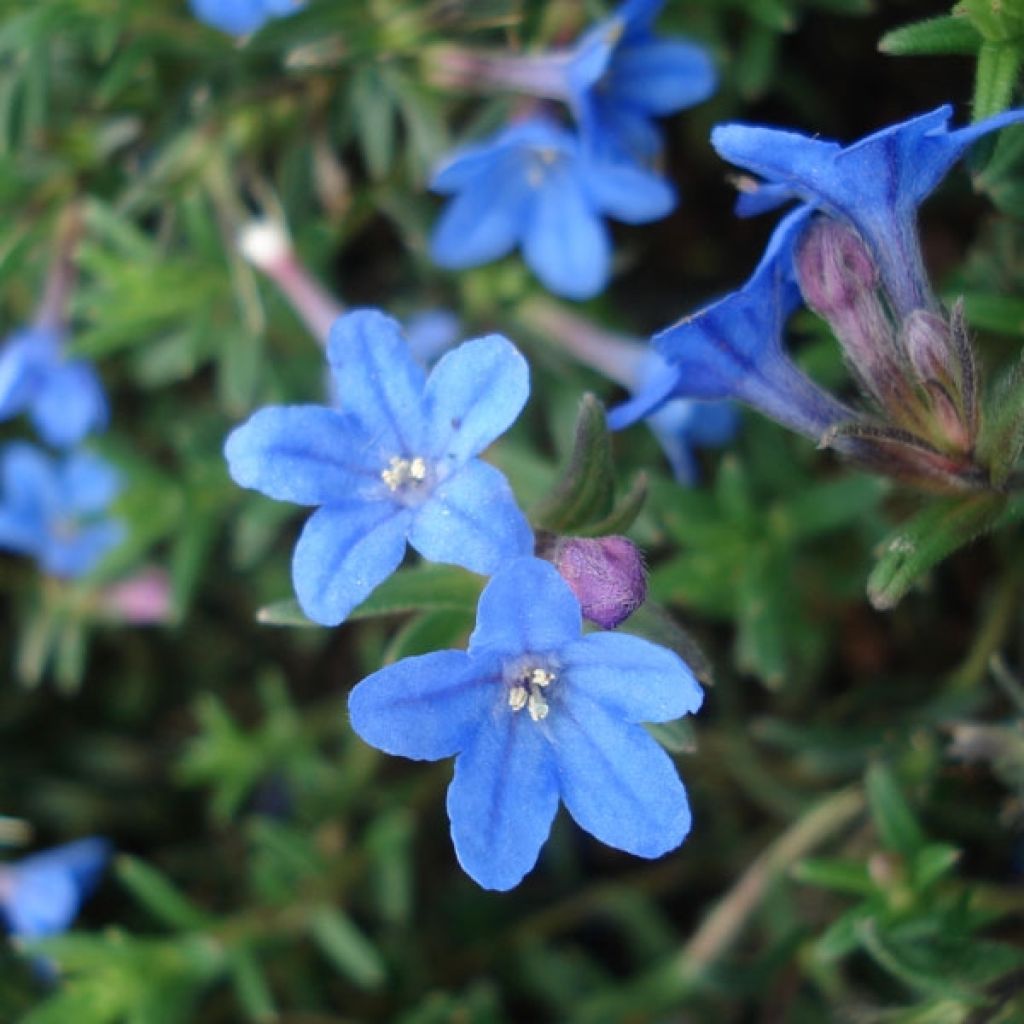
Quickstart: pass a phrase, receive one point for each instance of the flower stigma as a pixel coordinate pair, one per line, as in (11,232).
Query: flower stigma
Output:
(528,685)
(404,474)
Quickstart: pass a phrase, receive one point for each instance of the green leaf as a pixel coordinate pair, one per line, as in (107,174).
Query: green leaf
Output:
(945,34)
(285,612)
(823,507)
(373,108)
(159,895)
(936,532)
(897,827)
(995,78)
(347,948)
(624,513)
(251,988)
(932,863)
(653,623)
(585,494)
(423,588)
(678,737)
(1002,437)
(841,875)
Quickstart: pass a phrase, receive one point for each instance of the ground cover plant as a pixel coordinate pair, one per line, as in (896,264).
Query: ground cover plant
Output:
(511,511)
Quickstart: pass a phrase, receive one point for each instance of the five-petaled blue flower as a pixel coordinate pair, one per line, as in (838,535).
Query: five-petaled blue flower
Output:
(733,349)
(54,511)
(533,185)
(239,17)
(63,397)
(538,713)
(397,462)
(40,895)
(874,185)
(621,76)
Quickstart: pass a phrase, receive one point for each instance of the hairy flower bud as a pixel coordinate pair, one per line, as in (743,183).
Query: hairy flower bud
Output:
(926,341)
(606,574)
(141,600)
(835,268)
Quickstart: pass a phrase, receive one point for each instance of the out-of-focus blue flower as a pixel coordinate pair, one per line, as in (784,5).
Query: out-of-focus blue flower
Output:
(396,463)
(63,397)
(733,349)
(537,713)
(532,185)
(874,185)
(239,17)
(40,895)
(430,333)
(621,76)
(54,511)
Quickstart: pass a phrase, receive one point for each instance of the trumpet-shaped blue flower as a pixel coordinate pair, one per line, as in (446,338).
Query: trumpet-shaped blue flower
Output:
(396,463)
(537,714)
(733,349)
(54,511)
(621,76)
(239,17)
(532,185)
(63,397)
(41,894)
(874,185)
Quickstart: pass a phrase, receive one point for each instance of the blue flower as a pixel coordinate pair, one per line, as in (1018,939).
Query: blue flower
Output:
(531,185)
(536,713)
(63,396)
(621,76)
(874,185)
(396,463)
(733,349)
(54,511)
(430,333)
(40,895)
(239,17)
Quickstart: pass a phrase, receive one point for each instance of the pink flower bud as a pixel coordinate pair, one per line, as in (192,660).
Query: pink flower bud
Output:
(835,268)
(926,341)
(140,600)
(606,574)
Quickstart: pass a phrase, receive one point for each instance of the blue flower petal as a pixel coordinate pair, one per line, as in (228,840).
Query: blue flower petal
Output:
(616,781)
(21,532)
(81,550)
(425,708)
(378,381)
(662,75)
(627,191)
(22,366)
(472,520)
(344,551)
(29,479)
(430,333)
(630,678)
(528,607)
(733,348)
(239,17)
(875,184)
(565,243)
(502,800)
(485,220)
(473,396)
(69,404)
(90,483)
(306,454)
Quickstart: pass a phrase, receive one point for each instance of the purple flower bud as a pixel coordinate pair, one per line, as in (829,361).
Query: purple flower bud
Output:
(835,268)
(926,342)
(606,574)
(141,600)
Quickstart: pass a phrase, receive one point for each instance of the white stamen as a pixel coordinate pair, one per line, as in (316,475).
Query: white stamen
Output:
(402,473)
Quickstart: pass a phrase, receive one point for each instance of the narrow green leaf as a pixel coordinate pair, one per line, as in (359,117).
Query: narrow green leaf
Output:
(1002,437)
(373,108)
(945,34)
(897,827)
(585,493)
(283,613)
(654,623)
(347,948)
(251,988)
(841,875)
(678,737)
(936,532)
(932,863)
(159,895)
(423,588)
(624,513)
(995,78)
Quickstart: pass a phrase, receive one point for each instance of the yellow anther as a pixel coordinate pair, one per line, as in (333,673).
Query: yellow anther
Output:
(402,472)
(518,697)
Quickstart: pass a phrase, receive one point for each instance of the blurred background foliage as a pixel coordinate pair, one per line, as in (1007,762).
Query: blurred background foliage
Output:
(857,777)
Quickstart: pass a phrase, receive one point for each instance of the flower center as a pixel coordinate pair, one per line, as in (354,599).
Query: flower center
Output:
(527,685)
(404,474)
(541,162)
